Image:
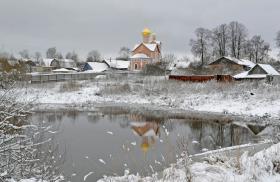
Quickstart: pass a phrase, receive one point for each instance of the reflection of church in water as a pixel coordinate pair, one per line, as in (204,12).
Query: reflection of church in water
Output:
(148,131)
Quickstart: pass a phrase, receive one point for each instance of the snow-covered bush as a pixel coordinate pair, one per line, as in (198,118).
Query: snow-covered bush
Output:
(25,149)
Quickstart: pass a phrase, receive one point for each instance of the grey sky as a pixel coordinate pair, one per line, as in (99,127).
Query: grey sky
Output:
(106,25)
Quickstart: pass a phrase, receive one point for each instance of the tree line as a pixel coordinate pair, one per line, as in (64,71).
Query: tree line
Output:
(52,53)
(230,40)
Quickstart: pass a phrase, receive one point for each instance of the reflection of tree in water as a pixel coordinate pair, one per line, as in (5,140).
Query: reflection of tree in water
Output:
(94,117)
(213,135)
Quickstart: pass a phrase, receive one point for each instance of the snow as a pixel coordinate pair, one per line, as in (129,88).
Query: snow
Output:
(139,56)
(97,67)
(243,62)
(233,98)
(262,166)
(118,64)
(269,69)
(151,47)
(266,67)
(47,62)
(62,70)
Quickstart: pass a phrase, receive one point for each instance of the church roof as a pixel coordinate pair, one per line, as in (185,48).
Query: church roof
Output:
(151,47)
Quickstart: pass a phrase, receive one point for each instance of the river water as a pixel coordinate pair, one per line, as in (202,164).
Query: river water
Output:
(108,141)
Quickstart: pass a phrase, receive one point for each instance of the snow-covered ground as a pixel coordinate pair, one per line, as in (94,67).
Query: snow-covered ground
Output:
(241,98)
(263,166)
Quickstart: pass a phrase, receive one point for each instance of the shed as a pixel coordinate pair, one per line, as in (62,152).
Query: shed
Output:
(259,71)
(117,64)
(230,65)
(95,67)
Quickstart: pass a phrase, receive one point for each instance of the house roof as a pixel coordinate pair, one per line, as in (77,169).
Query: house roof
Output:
(47,62)
(266,67)
(243,62)
(97,67)
(139,56)
(62,70)
(151,47)
(117,64)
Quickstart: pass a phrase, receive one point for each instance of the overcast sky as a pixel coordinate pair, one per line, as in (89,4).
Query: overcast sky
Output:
(106,25)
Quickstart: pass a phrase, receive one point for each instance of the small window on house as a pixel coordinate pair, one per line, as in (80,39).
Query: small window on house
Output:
(135,66)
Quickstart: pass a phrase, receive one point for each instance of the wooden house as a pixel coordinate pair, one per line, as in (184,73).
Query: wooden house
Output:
(259,71)
(230,65)
(147,52)
(95,67)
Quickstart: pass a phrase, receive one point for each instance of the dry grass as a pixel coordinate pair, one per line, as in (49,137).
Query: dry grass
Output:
(70,86)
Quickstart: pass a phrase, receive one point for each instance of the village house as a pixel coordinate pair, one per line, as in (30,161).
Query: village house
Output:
(259,71)
(95,67)
(147,52)
(230,66)
(117,64)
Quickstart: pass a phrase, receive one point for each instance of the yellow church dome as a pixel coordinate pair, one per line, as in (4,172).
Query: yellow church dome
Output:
(146,32)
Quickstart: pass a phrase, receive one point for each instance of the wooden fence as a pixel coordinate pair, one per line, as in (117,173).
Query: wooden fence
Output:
(201,78)
(55,77)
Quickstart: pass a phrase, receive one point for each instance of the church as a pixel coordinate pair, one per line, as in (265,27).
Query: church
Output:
(147,52)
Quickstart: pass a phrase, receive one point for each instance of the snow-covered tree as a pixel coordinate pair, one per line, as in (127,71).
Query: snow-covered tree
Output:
(25,149)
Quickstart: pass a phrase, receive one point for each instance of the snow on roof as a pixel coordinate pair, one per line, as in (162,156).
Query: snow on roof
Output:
(117,64)
(47,62)
(97,66)
(266,67)
(151,47)
(269,69)
(62,70)
(139,56)
(246,75)
(243,62)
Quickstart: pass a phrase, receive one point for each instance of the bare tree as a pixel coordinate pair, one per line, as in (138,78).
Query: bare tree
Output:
(37,56)
(59,55)
(220,40)
(94,56)
(248,50)
(24,54)
(51,53)
(200,45)
(260,48)
(237,35)
(72,55)
(278,41)
(124,53)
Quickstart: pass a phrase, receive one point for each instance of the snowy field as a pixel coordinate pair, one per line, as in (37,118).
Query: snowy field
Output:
(240,98)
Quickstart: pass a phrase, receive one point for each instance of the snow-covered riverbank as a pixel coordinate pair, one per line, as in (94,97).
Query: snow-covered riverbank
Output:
(249,98)
(263,166)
